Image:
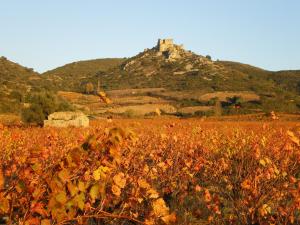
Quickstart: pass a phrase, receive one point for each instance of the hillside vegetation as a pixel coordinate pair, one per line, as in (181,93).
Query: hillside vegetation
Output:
(75,75)
(15,82)
(187,78)
(183,78)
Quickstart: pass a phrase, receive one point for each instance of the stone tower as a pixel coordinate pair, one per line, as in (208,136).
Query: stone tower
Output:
(167,48)
(165,45)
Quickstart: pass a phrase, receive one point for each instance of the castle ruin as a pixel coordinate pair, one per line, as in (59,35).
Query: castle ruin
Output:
(167,48)
(165,45)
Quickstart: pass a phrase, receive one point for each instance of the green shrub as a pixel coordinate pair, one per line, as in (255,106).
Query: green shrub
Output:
(16,95)
(33,114)
(208,57)
(41,105)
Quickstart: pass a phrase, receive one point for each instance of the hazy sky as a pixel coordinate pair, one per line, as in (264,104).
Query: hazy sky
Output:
(46,34)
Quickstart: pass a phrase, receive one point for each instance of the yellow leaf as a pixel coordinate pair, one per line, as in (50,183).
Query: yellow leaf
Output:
(79,200)
(81,186)
(38,192)
(143,183)
(162,165)
(264,210)
(45,222)
(159,208)
(97,174)
(262,162)
(120,180)
(72,189)
(36,167)
(284,174)
(116,190)
(64,175)
(152,193)
(293,138)
(268,161)
(169,219)
(94,192)
(100,173)
(61,197)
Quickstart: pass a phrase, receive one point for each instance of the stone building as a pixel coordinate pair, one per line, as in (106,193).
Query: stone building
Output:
(67,119)
(165,45)
(167,48)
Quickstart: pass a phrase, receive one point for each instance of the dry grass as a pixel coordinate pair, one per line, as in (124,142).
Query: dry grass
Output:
(10,119)
(139,110)
(139,100)
(201,96)
(193,109)
(128,92)
(75,97)
(245,95)
(180,95)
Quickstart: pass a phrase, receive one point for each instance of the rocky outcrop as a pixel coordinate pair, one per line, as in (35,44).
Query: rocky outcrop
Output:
(67,119)
(168,58)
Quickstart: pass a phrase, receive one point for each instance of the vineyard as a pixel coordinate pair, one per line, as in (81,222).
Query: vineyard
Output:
(164,171)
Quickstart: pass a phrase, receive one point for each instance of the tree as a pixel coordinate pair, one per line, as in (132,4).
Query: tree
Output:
(33,114)
(89,88)
(208,57)
(41,106)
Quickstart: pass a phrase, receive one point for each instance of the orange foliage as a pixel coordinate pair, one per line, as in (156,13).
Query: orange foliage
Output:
(158,172)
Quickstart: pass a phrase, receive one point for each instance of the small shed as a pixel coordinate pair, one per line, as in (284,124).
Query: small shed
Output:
(67,119)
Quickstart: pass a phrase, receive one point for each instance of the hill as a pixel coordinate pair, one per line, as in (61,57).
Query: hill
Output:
(173,79)
(15,82)
(286,80)
(74,75)
(170,66)
(186,78)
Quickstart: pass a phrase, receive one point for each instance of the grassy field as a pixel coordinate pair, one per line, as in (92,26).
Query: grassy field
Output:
(151,171)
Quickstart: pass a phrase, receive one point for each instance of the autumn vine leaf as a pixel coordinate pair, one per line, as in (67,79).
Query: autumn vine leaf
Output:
(159,208)
(120,180)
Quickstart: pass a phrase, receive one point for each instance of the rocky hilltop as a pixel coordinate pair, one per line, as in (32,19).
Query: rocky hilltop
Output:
(156,60)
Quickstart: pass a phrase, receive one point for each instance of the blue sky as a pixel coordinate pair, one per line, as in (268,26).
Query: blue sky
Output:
(47,34)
